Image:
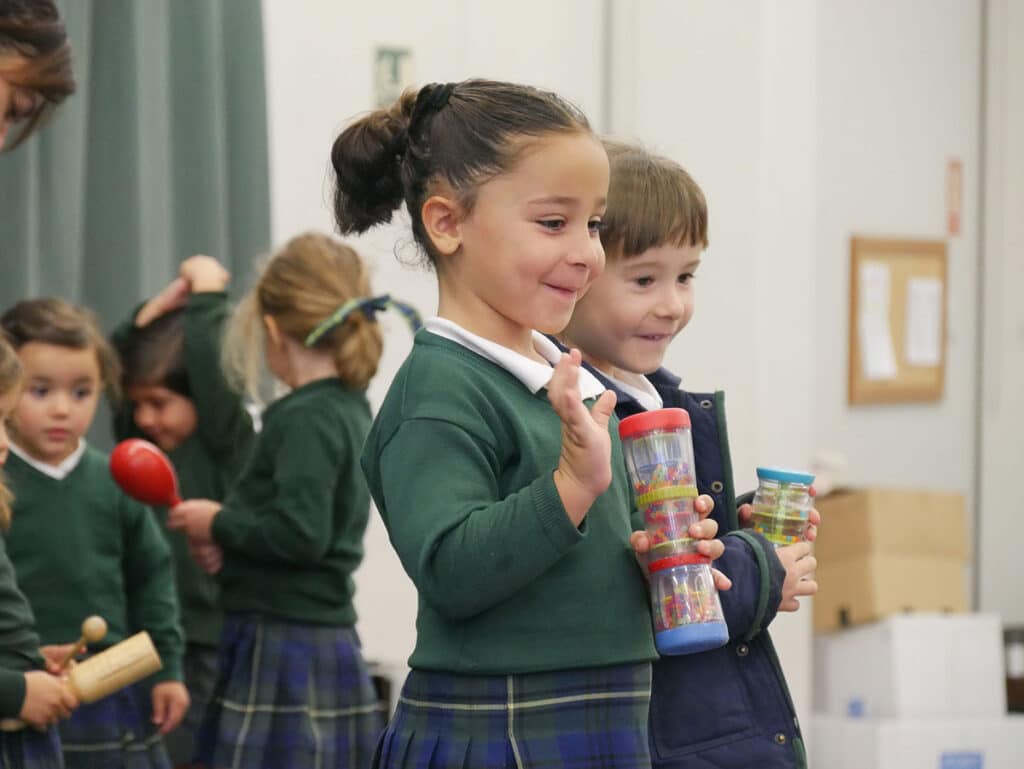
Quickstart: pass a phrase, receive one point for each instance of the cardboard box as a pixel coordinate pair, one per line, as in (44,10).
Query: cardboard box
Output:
(887,551)
(870,587)
(846,743)
(921,666)
(892,521)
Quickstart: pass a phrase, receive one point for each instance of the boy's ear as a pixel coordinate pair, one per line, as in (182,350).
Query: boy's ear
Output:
(442,219)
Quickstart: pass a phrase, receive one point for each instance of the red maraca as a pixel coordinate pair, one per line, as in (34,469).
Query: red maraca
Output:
(144,473)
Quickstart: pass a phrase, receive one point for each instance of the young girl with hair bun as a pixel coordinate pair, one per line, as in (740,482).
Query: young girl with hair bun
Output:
(492,460)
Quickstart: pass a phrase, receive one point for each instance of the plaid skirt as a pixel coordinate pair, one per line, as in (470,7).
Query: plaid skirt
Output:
(29,749)
(289,695)
(116,731)
(592,718)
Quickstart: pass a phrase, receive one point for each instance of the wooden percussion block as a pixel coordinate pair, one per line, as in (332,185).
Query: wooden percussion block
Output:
(119,666)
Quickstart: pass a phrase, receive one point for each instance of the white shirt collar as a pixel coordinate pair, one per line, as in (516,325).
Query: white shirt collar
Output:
(57,472)
(639,387)
(533,374)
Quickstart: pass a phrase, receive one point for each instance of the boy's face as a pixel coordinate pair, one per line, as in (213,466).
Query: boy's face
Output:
(635,309)
(58,402)
(166,417)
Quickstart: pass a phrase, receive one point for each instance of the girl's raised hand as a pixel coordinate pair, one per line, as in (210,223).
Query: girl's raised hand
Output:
(175,295)
(204,274)
(584,469)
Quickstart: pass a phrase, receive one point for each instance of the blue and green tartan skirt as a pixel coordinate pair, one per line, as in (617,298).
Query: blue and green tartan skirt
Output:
(117,731)
(29,749)
(289,695)
(591,718)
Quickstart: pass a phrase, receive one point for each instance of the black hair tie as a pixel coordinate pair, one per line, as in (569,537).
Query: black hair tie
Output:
(429,101)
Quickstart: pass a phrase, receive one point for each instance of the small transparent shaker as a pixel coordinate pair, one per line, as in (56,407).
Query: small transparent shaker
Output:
(782,504)
(687,613)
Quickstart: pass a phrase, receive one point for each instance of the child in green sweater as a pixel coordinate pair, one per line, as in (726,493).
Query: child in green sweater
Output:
(492,460)
(176,395)
(293,689)
(79,545)
(31,700)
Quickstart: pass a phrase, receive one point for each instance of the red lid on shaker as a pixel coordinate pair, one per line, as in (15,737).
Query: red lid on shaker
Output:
(659,419)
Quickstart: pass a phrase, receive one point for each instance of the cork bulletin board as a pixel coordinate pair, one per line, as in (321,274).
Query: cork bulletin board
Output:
(897,337)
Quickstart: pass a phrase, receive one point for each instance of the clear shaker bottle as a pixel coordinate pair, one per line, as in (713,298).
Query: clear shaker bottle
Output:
(687,613)
(782,504)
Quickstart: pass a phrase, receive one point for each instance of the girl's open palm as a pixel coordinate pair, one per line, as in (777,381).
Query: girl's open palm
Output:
(584,468)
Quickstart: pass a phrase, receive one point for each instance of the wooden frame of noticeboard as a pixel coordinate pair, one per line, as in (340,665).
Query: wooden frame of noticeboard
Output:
(890,377)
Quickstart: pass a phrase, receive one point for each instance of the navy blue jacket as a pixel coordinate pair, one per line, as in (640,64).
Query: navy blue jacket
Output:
(728,708)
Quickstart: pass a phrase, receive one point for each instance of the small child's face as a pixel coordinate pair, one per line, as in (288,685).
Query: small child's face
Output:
(635,309)
(530,246)
(8,401)
(166,417)
(58,402)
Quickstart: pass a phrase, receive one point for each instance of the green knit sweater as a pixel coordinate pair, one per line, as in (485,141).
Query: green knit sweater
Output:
(81,547)
(209,461)
(19,644)
(460,462)
(292,528)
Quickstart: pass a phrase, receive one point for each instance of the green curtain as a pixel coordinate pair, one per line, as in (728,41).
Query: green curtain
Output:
(162,153)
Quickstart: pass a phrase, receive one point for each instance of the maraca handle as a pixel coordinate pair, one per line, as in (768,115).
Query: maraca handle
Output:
(71,654)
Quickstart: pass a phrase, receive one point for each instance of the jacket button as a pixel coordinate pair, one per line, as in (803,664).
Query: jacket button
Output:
(706,404)
(780,739)
(742,650)
(717,487)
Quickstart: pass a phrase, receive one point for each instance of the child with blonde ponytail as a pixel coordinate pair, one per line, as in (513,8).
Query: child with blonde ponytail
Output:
(292,688)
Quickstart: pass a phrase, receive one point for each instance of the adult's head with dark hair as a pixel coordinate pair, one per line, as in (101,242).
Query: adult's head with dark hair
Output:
(459,135)
(35,65)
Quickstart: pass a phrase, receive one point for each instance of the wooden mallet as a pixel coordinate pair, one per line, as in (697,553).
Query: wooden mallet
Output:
(94,630)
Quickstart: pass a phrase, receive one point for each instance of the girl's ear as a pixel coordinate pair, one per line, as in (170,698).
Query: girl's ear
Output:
(272,329)
(442,219)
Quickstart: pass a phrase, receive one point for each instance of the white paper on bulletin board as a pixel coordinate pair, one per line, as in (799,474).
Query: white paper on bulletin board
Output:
(923,342)
(878,360)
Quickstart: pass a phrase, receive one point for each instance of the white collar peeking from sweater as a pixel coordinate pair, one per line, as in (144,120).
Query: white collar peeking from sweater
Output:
(533,374)
(57,472)
(639,387)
